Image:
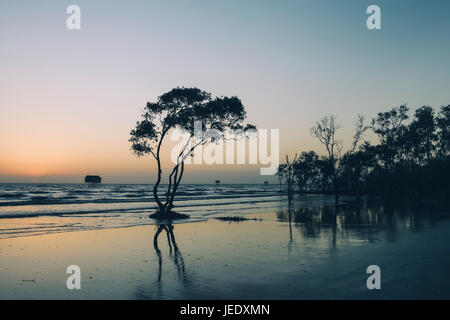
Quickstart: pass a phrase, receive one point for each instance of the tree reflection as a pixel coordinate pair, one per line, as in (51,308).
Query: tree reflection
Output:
(174,252)
(363,220)
(144,292)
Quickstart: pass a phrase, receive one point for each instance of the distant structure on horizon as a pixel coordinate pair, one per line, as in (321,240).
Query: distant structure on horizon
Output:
(266,182)
(92,181)
(217,182)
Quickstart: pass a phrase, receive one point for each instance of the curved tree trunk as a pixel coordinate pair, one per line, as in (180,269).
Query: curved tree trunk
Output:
(161,206)
(176,178)
(175,187)
(155,189)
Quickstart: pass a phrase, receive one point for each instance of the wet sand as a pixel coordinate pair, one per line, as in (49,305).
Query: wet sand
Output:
(268,259)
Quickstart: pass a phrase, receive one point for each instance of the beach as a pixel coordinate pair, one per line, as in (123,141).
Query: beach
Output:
(240,151)
(279,254)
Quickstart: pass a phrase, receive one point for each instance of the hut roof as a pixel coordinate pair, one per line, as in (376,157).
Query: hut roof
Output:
(91,178)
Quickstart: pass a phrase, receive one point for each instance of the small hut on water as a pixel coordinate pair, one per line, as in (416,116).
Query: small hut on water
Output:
(92,181)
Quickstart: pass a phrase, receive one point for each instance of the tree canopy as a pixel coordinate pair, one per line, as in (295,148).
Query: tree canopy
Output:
(182,108)
(411,156)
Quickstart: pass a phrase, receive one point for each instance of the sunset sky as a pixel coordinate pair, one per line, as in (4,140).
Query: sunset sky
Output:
(69,98)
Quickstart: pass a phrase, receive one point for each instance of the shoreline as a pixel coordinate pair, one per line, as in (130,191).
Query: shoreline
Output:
(224,260)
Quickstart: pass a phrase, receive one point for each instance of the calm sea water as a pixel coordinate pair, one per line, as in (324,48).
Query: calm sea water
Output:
(26,200)
(28,209)
(310,249)
(33,209)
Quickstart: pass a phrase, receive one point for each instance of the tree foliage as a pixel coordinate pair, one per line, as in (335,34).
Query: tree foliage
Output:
(181,108)
(410,158)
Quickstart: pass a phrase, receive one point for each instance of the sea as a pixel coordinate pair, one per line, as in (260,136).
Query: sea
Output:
(35,209)
(31,209)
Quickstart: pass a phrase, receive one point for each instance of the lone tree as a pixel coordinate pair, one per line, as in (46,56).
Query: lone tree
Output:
(185,109)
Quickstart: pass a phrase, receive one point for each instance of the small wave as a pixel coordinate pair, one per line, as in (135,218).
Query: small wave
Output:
(80,191)
(11,195)
(68,213)
(190,193)
(131,195)
(40,198)
(68,198)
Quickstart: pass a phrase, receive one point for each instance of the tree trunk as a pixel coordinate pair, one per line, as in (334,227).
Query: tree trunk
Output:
(175,187)
(155,188)
(161,206)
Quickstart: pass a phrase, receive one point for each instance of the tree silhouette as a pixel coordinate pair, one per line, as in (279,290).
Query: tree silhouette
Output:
(443,131)
(305,169)
(390,128)
(289,175)
(183,108)
(411,158)
(281,172)
(325,131)
(422,134)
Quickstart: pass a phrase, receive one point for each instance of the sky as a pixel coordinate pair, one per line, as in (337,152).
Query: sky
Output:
(69,98)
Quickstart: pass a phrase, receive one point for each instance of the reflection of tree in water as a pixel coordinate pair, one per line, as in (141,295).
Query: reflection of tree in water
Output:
(174,252)
(291,238)
(363,220)
(311,221)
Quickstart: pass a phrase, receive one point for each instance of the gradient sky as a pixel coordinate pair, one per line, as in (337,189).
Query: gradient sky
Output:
(68,99)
